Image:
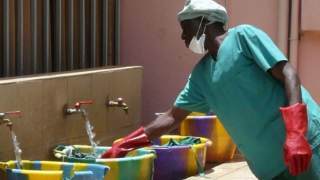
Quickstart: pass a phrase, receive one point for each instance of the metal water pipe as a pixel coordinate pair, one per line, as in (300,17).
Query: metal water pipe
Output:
(294,33)
(283,25)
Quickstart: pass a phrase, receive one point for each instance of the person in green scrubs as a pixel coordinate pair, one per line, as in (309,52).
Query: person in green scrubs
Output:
(247,81)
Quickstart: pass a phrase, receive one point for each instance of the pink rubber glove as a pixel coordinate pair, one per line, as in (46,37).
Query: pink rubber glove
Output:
(136,139)
(297,151)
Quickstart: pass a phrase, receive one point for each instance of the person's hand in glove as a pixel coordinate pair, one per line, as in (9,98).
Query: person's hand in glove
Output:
(297,151)
(136,139)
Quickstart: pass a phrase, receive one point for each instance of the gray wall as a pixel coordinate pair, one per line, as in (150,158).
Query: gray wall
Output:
(41,99)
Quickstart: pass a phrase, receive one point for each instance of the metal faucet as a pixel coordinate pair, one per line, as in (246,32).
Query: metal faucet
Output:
(7,121)
(77,107)
(118,103)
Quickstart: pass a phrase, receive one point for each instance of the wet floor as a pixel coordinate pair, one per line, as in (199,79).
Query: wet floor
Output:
(236,169)
(227,171)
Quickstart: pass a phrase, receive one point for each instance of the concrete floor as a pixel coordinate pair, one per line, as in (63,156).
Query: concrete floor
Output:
(238,170)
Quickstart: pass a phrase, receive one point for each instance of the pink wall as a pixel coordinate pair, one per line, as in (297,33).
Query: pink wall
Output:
(150,36)
(310,15)
(309,53)
(248,12)
(309,62)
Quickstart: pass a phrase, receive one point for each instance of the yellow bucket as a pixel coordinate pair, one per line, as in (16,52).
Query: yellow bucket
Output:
(138,164)
(223,148)
(51,170)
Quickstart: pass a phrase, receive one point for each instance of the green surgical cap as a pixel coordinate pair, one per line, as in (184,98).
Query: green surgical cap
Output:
(211,10)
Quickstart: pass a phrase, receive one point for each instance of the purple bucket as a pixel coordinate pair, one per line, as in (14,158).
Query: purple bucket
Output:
(179,162)
(171,162)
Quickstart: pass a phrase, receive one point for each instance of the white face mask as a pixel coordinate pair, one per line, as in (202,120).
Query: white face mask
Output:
(197,45)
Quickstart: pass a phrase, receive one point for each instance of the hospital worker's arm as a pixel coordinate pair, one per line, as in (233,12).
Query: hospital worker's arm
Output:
(166,122)
(284,72)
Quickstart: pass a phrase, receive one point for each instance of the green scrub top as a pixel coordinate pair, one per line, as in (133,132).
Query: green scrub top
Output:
(246,98)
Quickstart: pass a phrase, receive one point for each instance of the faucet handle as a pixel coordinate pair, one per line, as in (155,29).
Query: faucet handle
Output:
(14,113)
(121,101)
(4,120)
(80,103)
(159,113)
(10,113)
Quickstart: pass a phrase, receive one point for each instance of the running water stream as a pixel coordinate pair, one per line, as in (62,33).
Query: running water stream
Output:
(91,134)
(17,150)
